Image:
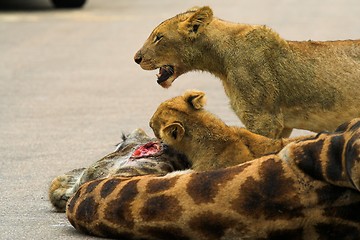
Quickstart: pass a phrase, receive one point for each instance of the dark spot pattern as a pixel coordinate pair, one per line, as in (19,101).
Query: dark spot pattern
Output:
(109,186)
(211,225)
(161,208)
(352,153)
(342,127)
(92,185)
(334,155)
(165,233)
(308,159)
(112,232)
(87,210)
(204,186)
(293,234)
(355,126)
(118,211)
(160,184)
(349,212)
(72,222)
(83,229)
(71,203)
(272,196)
(329,194)
(337,231)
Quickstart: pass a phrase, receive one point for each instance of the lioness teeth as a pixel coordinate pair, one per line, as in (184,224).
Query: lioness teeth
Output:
(164,73)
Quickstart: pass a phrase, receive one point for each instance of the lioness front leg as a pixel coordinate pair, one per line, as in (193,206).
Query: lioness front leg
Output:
(266,124)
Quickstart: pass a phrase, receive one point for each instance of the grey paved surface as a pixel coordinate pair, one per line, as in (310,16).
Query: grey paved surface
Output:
(69,87)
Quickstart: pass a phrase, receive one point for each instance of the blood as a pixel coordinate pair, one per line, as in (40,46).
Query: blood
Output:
(147,149)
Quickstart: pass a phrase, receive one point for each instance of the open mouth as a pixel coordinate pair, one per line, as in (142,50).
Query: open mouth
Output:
(165,72)
(149,149)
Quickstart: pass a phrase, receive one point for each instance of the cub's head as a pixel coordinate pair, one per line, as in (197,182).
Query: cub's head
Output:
(175,119)
(171,45)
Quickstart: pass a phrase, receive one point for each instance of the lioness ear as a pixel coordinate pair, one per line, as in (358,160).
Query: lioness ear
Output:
(196,99)
(173,132)
(198,20)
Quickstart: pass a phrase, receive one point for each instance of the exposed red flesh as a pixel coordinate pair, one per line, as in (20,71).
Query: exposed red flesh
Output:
(148,149)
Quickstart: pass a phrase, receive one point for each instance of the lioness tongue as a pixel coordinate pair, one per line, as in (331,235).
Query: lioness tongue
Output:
(164,74)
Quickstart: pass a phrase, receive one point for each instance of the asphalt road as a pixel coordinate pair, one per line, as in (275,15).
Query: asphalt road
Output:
(69,87)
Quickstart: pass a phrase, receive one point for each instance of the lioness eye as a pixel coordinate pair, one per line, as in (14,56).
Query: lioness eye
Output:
(157,38)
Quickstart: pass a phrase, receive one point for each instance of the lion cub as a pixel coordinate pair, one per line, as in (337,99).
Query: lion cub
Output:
(208,142)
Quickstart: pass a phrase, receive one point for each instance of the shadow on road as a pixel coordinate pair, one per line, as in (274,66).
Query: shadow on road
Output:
(28,5)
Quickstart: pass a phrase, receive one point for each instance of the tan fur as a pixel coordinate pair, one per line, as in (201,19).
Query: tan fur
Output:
(184,124)
(309,190)
(274,85)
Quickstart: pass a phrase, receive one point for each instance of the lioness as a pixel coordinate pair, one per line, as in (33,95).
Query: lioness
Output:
(274,85)
(183,124)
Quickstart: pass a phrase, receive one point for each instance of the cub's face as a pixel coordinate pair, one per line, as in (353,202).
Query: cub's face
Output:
(170,47)
(167,123)
(174,118)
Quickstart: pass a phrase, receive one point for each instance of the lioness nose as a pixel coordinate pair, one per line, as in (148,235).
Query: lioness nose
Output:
(138,57)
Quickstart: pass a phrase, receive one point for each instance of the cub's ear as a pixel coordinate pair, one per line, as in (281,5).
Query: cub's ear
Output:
(196,99)
(173,132)
(196,22)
